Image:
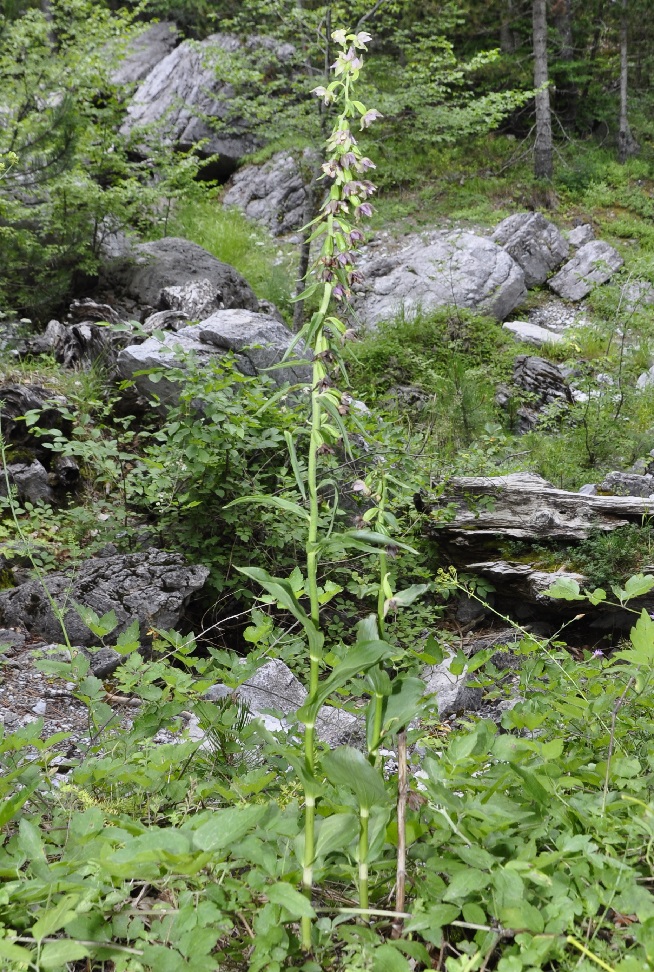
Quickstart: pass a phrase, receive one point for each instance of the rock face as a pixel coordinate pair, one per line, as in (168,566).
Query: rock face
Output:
(594,263)
(258,341)
(30,479)
(152,587)
(486,514)
(444,269)
(145,52)
(155,268)
(543,382)
(530,333)
(524,506)
(534,243)
(272,194)
(183,101)
(627,484)
(17,400)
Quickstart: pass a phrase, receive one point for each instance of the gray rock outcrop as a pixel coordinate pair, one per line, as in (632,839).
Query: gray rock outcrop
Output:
(593,264)
(154,268)
(152,587)
(534,243)
(627,484)
(442,269)
(544,384)
(144,52)
(30,480)
(184,101)
(524,506)
(272,194)
(258,341)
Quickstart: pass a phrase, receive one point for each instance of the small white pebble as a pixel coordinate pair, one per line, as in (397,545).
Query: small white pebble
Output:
(39,708)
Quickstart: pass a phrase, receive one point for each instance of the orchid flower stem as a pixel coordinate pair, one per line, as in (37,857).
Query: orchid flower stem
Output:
(363,857)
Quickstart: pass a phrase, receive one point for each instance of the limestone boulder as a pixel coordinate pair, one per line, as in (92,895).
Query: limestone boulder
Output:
(259,342)
(175,274)
(535,244)
(593,264)
(152,587)
(440,270)
(530,333)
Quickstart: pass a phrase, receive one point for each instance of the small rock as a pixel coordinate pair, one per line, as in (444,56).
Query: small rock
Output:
(31,482)
(103,661)
(646,380)
(451,691)
(39,708)
(16,639)
(588,489)
(274,688)
(532,334)
(581,235)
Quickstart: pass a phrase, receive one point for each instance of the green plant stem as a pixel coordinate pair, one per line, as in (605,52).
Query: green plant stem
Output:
(363,857)
(315,442)
(377,728)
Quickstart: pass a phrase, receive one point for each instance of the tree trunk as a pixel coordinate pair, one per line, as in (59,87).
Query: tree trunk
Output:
(543,160)
(627,144)
(507,40)
(567,92)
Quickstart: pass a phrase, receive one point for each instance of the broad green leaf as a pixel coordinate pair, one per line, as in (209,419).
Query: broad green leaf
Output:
(225,827)
(14,952)
(386,958)
(522,915)
(283,592)
(10,807)
(277,502)
(642,639)
(465,882)
(29,841)
(357,661)
(368,628)
(410,594)
(348,767)
(597,596)
(55,918)
(128,640)
(565,589)
(335,833)
(403,704)
(291,900)
(56,954)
